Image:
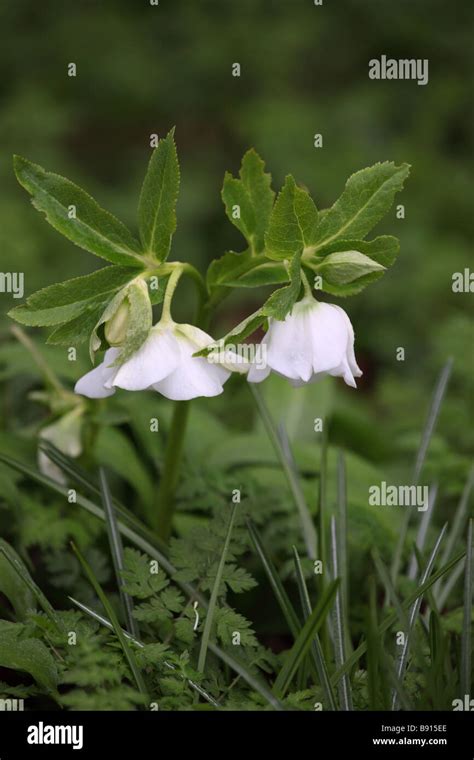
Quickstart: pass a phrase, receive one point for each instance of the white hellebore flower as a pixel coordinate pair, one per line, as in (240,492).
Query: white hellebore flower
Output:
(164,363)
(65,434)
(314,340)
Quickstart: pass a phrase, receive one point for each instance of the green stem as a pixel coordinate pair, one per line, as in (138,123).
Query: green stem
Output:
(307,287)
(163,513)
(169,292)
(169,479)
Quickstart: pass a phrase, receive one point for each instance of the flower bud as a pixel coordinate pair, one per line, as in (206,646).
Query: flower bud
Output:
(116,326)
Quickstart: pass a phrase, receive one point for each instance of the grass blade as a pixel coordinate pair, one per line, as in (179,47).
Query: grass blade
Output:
(304,641)
(457,527)
(423,530)
(436,401)
(345,696)
(126,648)
(116,549)
(277,587)
(392,617)
(449,585)
(107,624)
(373,651)
(401,665)
(282,449)
(467,624)
(318,655)
(215,593)
(23,573)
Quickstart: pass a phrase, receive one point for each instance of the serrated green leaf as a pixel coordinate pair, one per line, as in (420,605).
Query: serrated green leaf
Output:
(27,655)
(344,267)
(75,304)
(293,222)
(93,228)
(242,270)
(253,196)
(48,317)
(78,330)
(367,197)
(350,288)
(157,205)
(383,249)
(282,300)
(79,289)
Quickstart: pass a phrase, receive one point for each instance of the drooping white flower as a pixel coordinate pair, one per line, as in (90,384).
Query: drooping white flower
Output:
(314,340)
(164,362)
(65,434)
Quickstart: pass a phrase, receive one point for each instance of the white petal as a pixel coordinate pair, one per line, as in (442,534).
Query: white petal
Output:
(329,335)
(154,360)
(51,470)
(258,374)
(343,370)
(195,335)
(289,345)
(356,371)
(93,383)
(194,376)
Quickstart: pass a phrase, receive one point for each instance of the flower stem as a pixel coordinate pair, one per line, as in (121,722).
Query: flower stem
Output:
(169,292)
(307,287)
(163,513)
(169,479)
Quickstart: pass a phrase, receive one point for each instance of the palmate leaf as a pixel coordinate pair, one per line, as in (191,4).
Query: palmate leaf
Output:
(157,204)
(253,196)
(92,228)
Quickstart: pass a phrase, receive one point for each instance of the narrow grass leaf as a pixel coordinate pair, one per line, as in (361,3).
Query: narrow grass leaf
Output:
(466,644)
(275,582)
(459,520)
(317,651)
(126,648)
(345,696)
(23,573)
(401,665)
(304,641)
(423,530)
(436,401)
(392,617)
(116,550)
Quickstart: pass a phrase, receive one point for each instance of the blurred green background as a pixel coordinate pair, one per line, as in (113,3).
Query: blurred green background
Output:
(141,69)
